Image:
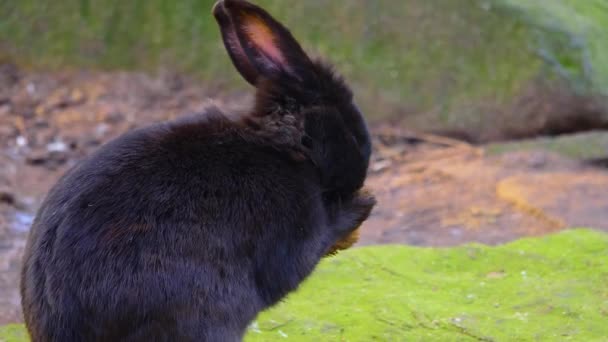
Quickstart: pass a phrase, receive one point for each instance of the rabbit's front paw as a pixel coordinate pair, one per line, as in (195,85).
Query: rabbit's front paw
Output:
(357,211)
(362,204)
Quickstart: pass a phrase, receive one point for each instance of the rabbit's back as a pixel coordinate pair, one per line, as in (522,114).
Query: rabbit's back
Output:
(187,205)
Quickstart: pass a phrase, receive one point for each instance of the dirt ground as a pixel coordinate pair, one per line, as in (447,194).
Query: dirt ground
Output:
(431,191)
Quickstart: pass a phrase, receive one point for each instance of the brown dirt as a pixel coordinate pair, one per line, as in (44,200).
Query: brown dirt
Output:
(430,191)
(441,196)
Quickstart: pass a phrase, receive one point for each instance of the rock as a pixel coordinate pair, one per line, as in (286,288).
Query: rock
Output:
(7,132)
(21,141)
(115,117)
(7,196)
(57,146)
(51,160)
(9,75)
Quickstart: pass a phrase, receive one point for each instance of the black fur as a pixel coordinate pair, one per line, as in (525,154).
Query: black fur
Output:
(185,230)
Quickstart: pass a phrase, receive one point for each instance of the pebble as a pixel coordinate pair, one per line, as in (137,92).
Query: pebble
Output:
(57,146)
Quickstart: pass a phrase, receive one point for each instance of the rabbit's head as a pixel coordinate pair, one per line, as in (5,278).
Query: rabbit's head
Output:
(296,91)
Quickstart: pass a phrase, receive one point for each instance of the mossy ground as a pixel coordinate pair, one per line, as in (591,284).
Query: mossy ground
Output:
(553,288)
(536,289)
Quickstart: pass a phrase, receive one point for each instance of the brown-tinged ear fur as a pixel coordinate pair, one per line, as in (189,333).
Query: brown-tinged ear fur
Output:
(264,45)
(233,45)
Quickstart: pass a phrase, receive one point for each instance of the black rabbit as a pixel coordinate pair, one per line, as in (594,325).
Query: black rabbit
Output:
(185,230)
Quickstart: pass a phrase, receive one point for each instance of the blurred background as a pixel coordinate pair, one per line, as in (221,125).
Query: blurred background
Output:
(489,69)
(489,117)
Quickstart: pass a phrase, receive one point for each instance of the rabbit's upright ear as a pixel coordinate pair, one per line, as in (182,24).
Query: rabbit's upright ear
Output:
(258,45)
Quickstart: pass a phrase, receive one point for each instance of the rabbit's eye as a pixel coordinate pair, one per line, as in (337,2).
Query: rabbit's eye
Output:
(354,139)
(306,141)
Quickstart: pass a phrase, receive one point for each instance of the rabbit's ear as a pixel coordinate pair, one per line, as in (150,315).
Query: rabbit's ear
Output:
(233,45)
(258,44)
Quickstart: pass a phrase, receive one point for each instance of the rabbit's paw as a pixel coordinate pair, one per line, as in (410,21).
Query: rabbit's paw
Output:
(356,213)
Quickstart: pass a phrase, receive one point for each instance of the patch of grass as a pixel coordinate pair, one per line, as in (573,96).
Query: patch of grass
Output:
(551,288)
(591,145)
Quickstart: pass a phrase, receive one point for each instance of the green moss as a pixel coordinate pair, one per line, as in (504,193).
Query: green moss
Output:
(543,289)
(583,56)
(13,333)
(552,288)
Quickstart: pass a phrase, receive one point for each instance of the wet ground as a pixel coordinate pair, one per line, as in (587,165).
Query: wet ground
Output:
(431,191)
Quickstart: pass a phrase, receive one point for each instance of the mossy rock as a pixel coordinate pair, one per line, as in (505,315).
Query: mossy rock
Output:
(551,288)
(448,59)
